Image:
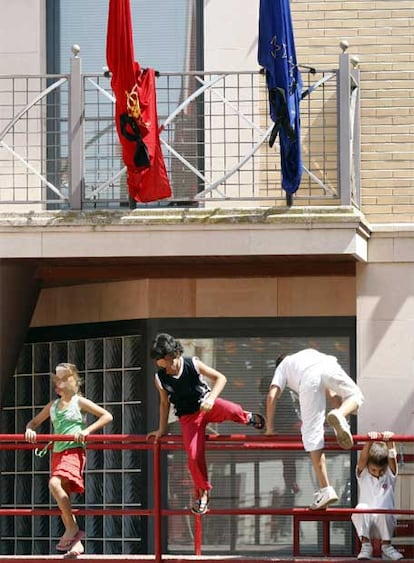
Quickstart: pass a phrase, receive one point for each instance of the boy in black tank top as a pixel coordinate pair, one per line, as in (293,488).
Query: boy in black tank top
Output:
(180,382)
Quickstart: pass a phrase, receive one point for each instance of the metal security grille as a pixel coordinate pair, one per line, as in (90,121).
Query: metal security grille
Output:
(112,371)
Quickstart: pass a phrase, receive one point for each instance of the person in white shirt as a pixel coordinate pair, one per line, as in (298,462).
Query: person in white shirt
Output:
(376,474)
(314,376)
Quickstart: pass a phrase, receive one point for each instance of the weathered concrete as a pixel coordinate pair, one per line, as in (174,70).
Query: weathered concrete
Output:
(186,232)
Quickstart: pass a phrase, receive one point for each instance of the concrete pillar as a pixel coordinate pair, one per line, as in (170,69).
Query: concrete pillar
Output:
(19,291)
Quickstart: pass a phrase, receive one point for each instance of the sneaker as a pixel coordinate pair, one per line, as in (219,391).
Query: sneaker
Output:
(200,505)
(323,498)
(257,421)
(389,552)
(366,551)
(341,429)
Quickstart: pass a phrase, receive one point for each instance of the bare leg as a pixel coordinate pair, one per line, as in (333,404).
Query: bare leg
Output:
(334,400)
(62,498)
(319,467)
(348,406)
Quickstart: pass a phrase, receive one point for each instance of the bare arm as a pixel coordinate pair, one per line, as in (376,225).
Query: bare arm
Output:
(392,453)
(219,382)
(44,414)
(271,405)
(103,416)
(387,436)
(164,411)
(363,456)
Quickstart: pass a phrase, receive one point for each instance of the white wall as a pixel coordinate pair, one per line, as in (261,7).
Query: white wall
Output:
(231,30)
(385,334)
(22,37)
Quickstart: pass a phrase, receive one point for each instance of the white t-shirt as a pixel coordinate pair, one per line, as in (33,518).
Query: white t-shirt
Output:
(376,493)
(290,371)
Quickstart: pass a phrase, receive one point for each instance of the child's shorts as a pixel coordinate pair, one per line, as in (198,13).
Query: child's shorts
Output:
(69,466)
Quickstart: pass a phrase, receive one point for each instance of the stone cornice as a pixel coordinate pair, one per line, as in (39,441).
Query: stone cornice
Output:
(274,231)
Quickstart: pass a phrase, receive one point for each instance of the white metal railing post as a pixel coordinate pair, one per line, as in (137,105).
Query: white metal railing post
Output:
(356,134)
(344,126)
(76,131)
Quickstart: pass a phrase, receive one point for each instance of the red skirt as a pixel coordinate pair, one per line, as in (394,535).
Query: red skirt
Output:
(69,466)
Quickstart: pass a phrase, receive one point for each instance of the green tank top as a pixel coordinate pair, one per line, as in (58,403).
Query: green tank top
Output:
(67,421)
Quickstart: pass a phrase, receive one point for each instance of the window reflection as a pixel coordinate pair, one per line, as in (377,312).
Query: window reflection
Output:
(266,478)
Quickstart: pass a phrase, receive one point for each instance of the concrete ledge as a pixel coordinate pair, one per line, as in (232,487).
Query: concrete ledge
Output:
(174,215)
(301,231)
(392,243)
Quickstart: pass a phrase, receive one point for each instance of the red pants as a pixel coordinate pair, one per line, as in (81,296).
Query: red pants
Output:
(193,428)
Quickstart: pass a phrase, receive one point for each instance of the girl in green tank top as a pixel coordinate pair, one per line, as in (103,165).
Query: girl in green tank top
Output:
(68,416)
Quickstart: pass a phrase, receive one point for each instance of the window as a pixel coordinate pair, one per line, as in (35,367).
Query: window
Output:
(112,372)
(265,478)
(167,37)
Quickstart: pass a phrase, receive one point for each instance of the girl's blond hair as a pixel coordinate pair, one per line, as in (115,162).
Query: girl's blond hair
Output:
(73,371)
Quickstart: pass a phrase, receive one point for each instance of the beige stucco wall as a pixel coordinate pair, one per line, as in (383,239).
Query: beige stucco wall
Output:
(23,37)
(385,349)
(385,332)
(235,297)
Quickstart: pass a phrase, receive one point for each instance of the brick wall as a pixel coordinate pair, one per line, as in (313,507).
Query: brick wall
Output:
(381,34)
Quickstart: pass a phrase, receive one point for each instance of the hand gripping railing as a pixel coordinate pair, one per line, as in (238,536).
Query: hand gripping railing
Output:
(214,442)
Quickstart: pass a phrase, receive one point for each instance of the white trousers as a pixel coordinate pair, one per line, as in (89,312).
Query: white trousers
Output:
(373,525)
(312,399)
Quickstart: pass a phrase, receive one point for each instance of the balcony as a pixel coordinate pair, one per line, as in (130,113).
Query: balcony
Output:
(59,149)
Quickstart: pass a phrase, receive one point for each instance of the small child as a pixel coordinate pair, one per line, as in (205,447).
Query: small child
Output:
(376,474)
(180,381)
(68,458)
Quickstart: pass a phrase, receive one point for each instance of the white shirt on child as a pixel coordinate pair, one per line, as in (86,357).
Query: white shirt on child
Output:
(376,492)
(290,371)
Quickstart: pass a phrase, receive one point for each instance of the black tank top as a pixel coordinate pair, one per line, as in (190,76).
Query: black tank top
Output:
(185,391)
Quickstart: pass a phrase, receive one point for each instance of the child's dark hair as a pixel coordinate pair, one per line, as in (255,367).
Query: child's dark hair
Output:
(165,345)
(280,359)
(378,454)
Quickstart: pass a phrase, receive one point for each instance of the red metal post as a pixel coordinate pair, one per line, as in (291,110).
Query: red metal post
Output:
(296,536)
(157,502)
(326,547)
(198,529)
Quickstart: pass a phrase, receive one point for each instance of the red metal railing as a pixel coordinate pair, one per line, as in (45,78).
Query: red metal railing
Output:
(172,442)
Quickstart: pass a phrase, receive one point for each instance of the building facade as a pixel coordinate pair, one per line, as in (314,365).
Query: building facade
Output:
(99,283)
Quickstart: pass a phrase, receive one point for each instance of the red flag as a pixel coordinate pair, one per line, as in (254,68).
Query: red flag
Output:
(135,110)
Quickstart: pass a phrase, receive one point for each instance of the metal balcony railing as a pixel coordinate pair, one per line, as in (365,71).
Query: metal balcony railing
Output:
(59,148)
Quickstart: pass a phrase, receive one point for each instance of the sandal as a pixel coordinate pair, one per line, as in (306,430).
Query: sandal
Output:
(200,505)
(74,552)
(257,421)
(66,544)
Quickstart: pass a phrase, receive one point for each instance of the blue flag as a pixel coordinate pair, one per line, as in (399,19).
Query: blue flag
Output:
(277,55)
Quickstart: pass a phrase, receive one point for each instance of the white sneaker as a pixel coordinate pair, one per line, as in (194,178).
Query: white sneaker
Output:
(341,429)
(389,552)
(323,498)
(366,551)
